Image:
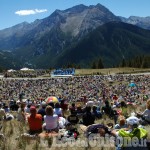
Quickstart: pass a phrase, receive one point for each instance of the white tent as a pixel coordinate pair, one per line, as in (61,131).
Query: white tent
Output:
(26,69)
(11,70)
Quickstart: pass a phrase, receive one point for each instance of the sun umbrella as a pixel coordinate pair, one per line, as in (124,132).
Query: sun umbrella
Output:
(52,99)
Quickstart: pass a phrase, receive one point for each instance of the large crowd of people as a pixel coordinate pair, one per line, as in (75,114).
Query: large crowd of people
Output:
(81,101)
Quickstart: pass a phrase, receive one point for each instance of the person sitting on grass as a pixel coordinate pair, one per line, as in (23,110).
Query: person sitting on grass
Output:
(123,108)
(114,115)
(58,110)
(107,108)
(2,137)
(50,120)
(88,118)
(34,121)
(71,131)
(133,131)
(2,113)
(97,113)
(42,110)
(73,107)
(27,108)
(145,116)
(122,123)
(79,110)
(64,106)
(21,112)
(73,118)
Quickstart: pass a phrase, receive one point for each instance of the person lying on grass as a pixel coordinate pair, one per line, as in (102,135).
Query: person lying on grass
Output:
(97,129)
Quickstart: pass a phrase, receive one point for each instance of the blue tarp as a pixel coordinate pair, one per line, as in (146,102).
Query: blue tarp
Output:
(68,71)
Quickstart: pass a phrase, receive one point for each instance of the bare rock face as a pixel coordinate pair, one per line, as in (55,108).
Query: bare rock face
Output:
(75,21)
(81,19)
(143,22)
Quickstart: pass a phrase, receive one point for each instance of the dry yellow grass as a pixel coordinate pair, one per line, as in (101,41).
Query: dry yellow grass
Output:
(110,71)
(13,129)
(107,71)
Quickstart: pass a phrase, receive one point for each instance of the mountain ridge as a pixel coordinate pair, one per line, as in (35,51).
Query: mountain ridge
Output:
(113,42)
(43,42)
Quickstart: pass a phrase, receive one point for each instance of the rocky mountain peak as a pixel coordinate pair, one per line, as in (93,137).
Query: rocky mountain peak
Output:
(76,9)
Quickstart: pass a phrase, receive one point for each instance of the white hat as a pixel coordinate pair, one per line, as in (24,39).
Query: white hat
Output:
(24,100)
(43,104)
(18,101)
(132,120)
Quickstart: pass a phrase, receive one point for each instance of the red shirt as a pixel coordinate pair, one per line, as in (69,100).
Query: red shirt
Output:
(35,123)
(115,97)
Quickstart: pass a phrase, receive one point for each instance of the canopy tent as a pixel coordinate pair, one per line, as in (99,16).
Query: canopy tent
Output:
(26,69)
(11,70)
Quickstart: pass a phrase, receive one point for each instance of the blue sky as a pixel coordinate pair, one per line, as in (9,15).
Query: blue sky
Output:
(13,12)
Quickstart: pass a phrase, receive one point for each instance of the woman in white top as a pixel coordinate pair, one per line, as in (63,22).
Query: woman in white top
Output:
(50,120)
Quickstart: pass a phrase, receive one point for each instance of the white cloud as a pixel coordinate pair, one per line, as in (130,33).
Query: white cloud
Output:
(30,12)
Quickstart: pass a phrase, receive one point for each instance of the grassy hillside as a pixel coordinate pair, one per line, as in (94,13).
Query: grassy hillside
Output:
(110,71)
